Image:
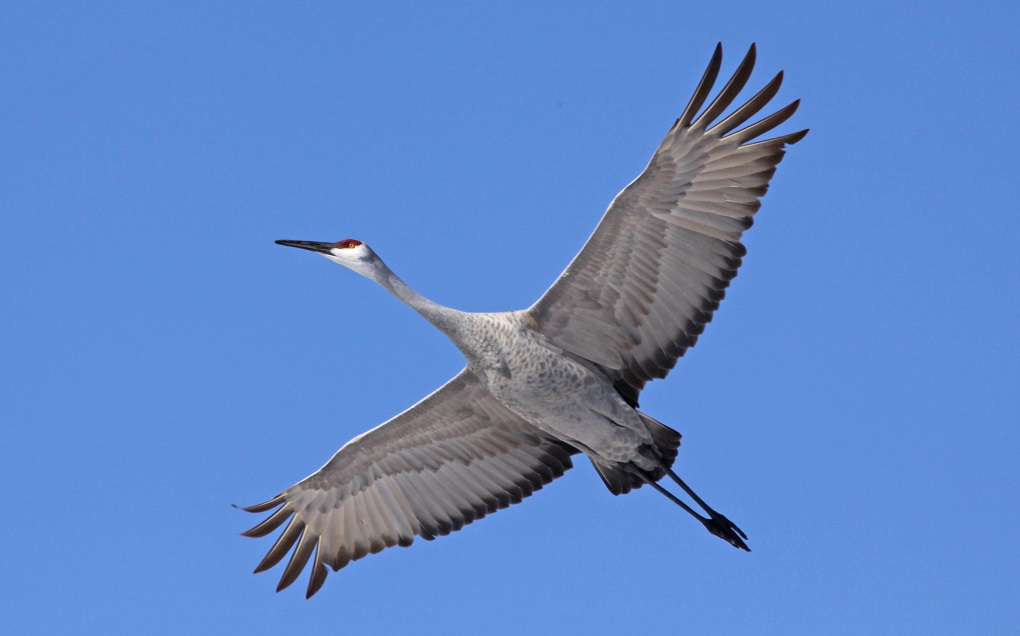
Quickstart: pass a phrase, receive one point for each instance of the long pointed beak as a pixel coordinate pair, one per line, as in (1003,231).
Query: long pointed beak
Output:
(314,246)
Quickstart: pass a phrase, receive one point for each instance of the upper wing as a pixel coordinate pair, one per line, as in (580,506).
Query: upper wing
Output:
(450,459)
(647,281)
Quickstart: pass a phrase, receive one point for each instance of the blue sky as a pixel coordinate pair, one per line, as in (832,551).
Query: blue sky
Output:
(852,406)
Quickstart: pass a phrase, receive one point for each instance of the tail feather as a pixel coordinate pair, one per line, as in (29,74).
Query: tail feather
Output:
(615,476)
(620,479)
(667,441)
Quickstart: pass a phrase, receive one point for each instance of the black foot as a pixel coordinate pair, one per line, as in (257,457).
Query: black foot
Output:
(726,530)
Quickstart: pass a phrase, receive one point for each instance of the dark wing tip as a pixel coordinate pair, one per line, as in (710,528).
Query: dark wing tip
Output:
(284,543)
(317,577)
(265,506)
(730,91)
(703,90)
(763,126)
(793,138)
(298,559)
(267,525)
(750,108)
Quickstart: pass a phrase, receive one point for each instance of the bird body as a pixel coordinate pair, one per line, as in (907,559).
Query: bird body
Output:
(559,378)
(555,392)
(527,373)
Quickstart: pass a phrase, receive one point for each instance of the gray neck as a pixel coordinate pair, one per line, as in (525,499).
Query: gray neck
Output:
(444,318)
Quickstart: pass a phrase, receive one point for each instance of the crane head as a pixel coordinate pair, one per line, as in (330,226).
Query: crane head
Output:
(350,253)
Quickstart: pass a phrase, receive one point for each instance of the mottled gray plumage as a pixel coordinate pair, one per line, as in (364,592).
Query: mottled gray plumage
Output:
(562,377)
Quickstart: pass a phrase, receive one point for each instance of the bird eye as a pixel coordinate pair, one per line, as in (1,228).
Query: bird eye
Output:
(348,243)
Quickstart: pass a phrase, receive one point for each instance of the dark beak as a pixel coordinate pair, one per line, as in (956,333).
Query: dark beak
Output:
(314,246)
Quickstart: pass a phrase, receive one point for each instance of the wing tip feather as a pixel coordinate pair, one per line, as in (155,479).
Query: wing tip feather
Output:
(703,90)
(265,506)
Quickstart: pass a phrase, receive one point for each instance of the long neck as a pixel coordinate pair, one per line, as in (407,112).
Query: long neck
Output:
(440,316)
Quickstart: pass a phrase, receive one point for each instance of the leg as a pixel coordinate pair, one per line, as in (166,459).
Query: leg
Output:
(717,524)
(719,519)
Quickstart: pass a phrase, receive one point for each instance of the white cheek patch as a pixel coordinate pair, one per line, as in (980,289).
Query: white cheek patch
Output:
(356,253)
(340,254)
(357,258)
(347,257)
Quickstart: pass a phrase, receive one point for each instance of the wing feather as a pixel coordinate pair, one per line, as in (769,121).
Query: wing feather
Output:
(649,278)
(730,91)
(454,457)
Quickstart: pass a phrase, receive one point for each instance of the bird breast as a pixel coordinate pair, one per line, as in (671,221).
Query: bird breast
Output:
(553,392)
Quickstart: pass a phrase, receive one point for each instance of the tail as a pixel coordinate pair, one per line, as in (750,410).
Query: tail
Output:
(620,479)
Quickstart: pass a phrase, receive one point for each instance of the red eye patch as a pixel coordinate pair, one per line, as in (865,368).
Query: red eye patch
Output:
(348,243)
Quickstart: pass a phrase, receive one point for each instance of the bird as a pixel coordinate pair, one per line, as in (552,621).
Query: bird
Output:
(562,377)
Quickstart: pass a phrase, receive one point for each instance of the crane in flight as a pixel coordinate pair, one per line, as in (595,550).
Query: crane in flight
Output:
(561,377)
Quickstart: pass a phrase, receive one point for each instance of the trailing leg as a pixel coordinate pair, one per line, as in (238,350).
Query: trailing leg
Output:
(716,523)
(711,513)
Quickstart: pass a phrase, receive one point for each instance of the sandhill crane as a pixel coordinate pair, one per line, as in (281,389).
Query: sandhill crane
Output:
(561,377)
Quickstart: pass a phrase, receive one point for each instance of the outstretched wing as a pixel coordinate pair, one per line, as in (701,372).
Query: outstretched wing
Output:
(450,459)
(647,281)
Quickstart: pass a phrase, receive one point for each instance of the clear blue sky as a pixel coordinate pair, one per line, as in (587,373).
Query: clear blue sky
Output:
(853,406)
